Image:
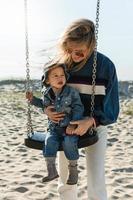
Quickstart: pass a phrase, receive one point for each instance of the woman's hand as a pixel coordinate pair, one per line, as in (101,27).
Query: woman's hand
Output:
(82,126)
(29,96)
(53,115)
(70,128)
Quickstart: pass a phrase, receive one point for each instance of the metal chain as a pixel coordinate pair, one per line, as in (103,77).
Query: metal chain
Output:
(29,121)
(94,62)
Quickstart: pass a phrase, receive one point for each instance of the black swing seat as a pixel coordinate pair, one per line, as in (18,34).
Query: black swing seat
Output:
(37,140)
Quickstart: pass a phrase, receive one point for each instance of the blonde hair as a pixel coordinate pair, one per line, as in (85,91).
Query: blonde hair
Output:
(81,31)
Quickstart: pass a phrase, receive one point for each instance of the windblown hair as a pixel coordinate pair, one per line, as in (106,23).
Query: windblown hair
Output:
(82,32)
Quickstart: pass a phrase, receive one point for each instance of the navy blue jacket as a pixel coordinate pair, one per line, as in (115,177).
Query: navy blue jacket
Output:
(106,96)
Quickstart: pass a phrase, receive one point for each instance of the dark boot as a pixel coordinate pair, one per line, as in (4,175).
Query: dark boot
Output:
(51,168)
(73,173)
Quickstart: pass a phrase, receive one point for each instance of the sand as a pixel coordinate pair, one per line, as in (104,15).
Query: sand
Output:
(22,168)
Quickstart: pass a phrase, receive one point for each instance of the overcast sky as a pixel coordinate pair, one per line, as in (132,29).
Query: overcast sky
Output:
(47,20)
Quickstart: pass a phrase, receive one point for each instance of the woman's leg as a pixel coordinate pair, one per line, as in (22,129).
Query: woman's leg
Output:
(95,156)
(65,191)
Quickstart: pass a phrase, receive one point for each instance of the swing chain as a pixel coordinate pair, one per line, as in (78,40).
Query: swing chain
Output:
(94,63)
(29,121)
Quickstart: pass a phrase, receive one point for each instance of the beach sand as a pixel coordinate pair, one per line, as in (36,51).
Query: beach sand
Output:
(22,168)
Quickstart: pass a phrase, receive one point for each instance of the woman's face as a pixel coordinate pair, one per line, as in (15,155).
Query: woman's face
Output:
(78,52)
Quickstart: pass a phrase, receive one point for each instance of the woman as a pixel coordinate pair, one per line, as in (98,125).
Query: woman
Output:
(77,52)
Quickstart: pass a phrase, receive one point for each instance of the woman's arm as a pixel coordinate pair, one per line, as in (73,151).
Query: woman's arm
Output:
(83,125)
(53,115)
(108,114)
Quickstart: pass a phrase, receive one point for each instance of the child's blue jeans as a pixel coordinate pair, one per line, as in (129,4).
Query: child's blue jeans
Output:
(69,142)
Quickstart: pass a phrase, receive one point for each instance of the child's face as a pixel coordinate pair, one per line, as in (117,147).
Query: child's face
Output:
(56,78)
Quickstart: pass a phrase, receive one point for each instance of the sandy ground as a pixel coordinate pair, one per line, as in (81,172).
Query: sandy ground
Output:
(21,168)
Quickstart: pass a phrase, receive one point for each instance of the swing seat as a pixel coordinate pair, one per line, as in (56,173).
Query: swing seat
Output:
(37,140)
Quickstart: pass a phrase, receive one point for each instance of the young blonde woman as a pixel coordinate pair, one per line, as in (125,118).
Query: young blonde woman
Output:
(77,52)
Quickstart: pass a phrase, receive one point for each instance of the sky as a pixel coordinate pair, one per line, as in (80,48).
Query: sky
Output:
(47,19)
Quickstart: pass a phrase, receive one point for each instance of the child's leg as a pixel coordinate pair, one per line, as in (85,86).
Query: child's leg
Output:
(51,145)
(49,152)
(70,147)
(73,172)
(52,172)
(72,154)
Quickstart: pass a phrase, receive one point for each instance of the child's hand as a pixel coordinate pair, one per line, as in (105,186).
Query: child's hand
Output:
(70,128)
(29,96)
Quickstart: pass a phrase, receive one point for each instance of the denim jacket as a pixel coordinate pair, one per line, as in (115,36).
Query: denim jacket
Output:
(67,101)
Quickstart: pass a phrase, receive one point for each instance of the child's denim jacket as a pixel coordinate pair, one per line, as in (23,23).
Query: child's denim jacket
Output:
(67,101)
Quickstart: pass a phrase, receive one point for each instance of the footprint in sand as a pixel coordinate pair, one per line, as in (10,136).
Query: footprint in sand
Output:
(21,189)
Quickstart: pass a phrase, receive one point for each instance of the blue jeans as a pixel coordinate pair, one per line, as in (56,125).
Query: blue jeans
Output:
(69,142)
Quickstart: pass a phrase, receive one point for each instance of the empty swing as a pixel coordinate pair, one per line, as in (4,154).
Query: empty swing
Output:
(36,139)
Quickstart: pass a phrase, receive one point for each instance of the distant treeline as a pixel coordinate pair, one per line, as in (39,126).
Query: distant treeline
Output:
(12,81)
(23,81)
(125,87)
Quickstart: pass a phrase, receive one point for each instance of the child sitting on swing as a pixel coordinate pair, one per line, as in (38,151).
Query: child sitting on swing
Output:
(66,101)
